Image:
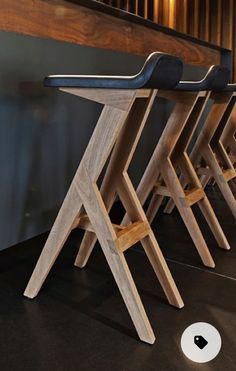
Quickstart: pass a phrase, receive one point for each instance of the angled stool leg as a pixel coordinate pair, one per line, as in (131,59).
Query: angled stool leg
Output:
(213,152)
(228,138)
(178,195)
(99,218)
(204,204)
(153,207)
(59,233)
(220,179)
(150,245)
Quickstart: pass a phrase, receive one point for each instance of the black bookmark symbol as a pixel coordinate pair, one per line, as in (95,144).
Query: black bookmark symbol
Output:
(200,341)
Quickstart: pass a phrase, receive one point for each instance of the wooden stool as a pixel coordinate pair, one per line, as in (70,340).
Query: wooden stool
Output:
(228,137)
(127,101)
(209,155)
(160,177)
(171,161)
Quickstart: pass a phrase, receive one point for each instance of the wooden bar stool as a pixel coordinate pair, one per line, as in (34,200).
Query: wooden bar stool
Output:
(228,137)
(209,154)
(170,161)
(127,101)
(161,175)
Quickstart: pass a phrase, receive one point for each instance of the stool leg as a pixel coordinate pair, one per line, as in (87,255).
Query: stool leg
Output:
(153,207)
(128,291)
(204,204)
(205,179)
(150,245)
(55,242)
(213,223)
(228,136)
(146,184)
(85,250)
(174,186)
(212,162)
(99,218)
(169,206)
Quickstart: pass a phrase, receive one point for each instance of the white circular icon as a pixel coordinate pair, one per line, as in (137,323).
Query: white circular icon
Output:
(201,342)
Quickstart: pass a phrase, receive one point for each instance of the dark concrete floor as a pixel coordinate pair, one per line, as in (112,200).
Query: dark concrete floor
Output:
(79,321)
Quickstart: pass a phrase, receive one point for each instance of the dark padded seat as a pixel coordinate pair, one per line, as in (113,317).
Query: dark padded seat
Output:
(160,71)
(230,87)
(216,79)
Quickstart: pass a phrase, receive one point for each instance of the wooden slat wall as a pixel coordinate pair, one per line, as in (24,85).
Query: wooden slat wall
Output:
(209,20)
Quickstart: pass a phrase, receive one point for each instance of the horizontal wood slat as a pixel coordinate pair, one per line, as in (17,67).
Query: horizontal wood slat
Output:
(132,234)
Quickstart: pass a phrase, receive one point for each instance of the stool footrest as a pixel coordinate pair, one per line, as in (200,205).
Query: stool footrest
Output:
(131,234)
(126,236)
(83,222)
(161,190)
(229,174)
(193,196)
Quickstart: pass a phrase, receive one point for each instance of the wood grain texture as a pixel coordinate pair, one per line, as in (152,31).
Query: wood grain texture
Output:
(169,154)
(61,20)
(213,21)
(181,14)
(193,196)
(131,234)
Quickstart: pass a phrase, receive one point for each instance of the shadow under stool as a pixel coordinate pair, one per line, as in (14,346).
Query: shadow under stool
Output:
(127,102)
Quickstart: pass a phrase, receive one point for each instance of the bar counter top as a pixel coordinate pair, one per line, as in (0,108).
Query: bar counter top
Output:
(94,24)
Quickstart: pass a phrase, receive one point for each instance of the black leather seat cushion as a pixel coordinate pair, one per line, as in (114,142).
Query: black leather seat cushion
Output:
(216,79)
(230,87)
(160,71)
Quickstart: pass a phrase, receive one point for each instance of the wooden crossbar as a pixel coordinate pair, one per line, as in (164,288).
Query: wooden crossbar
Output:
(229,174)
(132,234)
(193,196)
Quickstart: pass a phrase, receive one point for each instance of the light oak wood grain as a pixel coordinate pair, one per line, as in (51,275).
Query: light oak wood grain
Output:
(110,140)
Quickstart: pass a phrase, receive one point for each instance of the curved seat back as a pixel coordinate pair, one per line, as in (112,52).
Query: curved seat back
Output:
(216,79)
